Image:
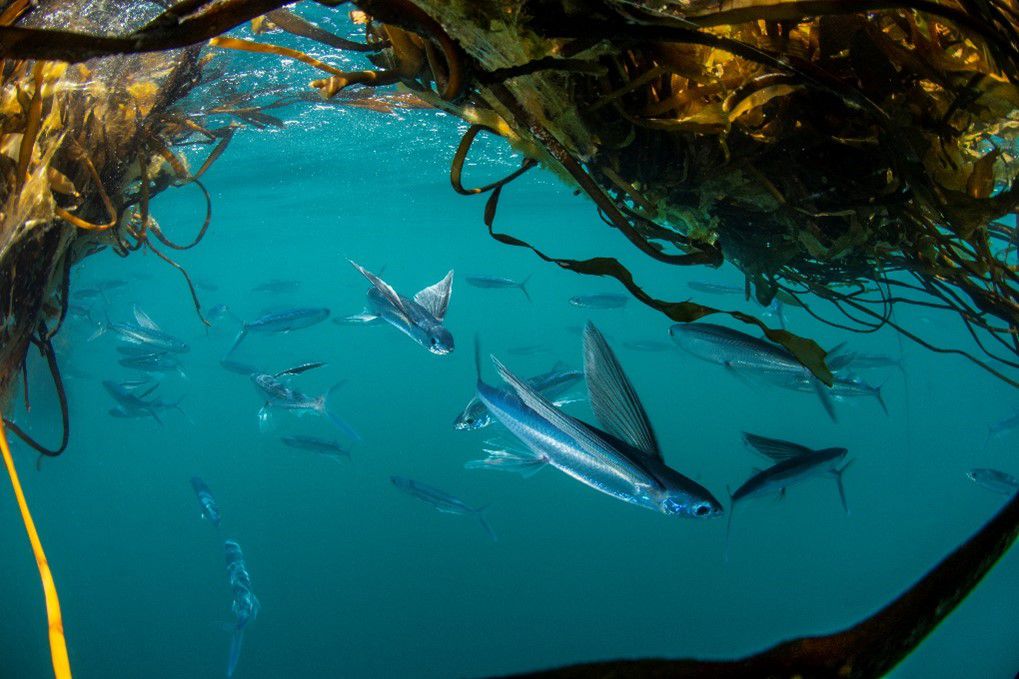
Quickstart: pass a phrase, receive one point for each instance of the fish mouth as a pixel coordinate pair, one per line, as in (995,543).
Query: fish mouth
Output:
(440,351)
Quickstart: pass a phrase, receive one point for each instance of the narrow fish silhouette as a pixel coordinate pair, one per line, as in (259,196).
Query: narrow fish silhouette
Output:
(623,460)
(419,318)
(497,282)
(287,320)
(605,300)
(994,480)
(441,500)
(210,510)
(794,463)
(325,447)
(746,354)
(245,606)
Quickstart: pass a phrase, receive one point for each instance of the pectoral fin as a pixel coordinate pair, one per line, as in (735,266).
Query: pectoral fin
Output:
(613,399)
(385,289)
(143,319)
(435,298)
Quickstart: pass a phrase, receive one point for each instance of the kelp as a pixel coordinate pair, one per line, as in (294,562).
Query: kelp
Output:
(824,148)
(871,648)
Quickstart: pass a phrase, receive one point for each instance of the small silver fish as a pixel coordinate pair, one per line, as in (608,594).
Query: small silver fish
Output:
(210,510)
(287,320)
(1004,426)
(325,447)
(605,300)
(441,500)
(497,282)
(995,480)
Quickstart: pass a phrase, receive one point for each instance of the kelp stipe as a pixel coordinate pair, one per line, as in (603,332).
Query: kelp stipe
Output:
(58,644)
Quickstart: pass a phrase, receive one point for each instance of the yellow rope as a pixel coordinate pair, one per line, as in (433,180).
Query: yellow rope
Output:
(58,646)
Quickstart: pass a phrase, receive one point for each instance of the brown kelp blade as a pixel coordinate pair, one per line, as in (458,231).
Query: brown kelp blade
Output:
(870,648)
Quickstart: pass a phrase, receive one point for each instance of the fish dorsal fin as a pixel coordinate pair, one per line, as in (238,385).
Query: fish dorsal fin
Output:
(384,288)
(435,298)
(612,397)
(298,369)
(777,449)
(619,464)
(143,319)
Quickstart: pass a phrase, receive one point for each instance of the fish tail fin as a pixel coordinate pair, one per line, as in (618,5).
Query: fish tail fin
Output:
(484,522)
(523,287)
(237,341)
(826,399)
(236,640)
(837,473)
(335,419)
(728,524)
(177,406)
(881,399)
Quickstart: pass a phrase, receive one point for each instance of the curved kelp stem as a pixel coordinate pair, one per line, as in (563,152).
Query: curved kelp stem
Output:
(58,645)
(871,648)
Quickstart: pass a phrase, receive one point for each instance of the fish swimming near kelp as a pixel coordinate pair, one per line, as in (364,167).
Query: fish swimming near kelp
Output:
(144,331)
(420,318)
(497,282)
(745,354)
(284,321)
(207,503)
(605,300)
(553,385)
(441,500)
(245,606)
(623,460)
(794,463)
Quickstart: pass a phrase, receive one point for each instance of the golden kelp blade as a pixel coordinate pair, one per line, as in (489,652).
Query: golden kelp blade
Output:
(58,646)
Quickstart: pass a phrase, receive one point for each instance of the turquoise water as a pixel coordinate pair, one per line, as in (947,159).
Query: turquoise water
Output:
(359,580)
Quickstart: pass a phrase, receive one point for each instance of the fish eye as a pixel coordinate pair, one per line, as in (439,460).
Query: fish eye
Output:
(701,510)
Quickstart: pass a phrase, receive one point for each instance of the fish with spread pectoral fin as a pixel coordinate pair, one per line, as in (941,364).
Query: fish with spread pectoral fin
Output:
(622,460)
(279,395)
(420,318)
(794,463)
